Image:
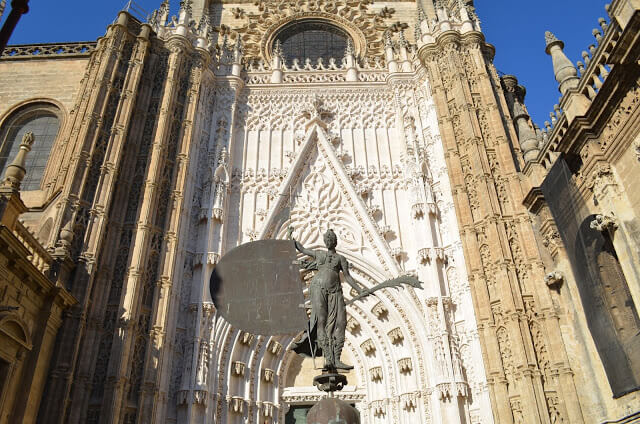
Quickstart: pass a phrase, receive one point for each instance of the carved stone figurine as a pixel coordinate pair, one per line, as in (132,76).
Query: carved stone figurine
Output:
(328,311)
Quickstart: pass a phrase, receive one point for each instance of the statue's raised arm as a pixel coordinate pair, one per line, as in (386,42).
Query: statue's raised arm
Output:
(300,248)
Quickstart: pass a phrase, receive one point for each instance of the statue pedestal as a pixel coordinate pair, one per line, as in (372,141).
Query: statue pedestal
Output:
(331,410)
(330,381)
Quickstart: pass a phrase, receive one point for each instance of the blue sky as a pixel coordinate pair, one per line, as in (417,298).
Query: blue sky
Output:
(515,27)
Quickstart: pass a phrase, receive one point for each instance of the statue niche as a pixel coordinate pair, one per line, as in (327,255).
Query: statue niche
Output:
(611,313)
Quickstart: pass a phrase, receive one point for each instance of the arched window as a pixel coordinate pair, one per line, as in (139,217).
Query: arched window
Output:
(42,119)
(312,39)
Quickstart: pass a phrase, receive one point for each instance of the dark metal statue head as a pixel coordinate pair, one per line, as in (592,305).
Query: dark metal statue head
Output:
(330,239)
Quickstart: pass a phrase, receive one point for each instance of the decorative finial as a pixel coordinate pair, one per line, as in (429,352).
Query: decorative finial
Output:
(16,171)
(204,27)
(402,41)
(237,50)
(186,6)
(225,43)
(417,31)
(388,42)
(163,13)
(349,50)
(421,15)
(277,49)
(151,19)
(551,38)
(565,73)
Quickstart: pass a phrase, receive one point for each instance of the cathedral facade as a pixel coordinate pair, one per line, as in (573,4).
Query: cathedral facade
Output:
(171,140)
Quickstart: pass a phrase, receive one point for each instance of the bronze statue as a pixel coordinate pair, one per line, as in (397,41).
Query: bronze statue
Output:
(325,336)
(256,288)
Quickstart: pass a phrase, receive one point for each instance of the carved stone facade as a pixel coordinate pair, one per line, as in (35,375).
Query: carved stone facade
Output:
(586,209)
(191,135)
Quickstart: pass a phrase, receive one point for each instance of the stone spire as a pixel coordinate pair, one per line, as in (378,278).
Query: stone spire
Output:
(204,32)
(277,63)
(187,6)
(350,62)
(236,68)
(421,15)
(566,74)
(403,46)
(349,50)
(390,52)
(467,23)
(16,171)
(515,95)
(164,12)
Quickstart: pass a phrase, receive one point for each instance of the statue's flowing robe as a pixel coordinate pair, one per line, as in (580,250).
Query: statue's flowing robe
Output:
(321,300)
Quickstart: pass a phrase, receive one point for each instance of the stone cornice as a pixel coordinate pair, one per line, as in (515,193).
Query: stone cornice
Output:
(14,249)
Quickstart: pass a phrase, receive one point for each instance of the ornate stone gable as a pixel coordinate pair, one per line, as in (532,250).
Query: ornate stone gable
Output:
(365,27)
(322,189)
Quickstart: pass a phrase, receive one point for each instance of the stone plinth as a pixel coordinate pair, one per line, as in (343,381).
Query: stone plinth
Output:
(332,410)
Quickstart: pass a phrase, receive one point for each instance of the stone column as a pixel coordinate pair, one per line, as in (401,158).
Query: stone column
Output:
(105,192)
(496,232)
(124,342)
(94,115)
(170,266)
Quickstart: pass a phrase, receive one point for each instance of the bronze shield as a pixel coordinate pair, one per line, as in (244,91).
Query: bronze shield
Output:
(258,289)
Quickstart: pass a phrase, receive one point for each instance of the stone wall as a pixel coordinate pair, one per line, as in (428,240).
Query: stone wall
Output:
(31,309)
(53,78)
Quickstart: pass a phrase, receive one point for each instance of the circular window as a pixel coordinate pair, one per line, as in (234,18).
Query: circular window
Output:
(312,40)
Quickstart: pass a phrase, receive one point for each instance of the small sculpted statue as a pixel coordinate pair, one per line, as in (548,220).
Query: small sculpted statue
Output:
(328,311)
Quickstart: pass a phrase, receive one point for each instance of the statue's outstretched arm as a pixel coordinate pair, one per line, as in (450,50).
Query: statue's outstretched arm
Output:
(304,250)
(344,264)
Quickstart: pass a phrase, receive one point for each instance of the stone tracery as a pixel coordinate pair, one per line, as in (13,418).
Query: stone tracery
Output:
(365,27)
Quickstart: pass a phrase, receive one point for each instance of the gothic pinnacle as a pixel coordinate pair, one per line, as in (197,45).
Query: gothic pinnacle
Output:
(186,6)
(277,49)
(417,32)
(350,62)
(349,49)
(402,41)
(16,171)
(421,15)
(565,73)
(388,42)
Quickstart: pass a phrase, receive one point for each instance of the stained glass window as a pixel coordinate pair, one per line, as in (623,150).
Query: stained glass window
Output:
(44,123)
(311,40)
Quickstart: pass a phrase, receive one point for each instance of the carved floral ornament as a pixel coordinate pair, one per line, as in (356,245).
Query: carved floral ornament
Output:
(604,223)
(364,27)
